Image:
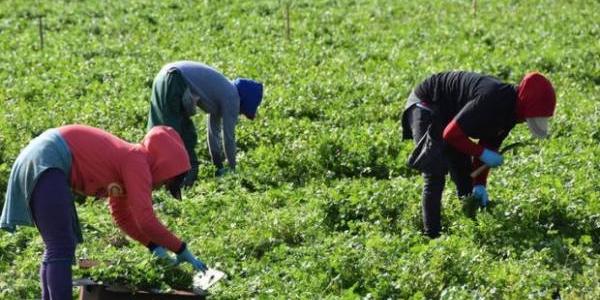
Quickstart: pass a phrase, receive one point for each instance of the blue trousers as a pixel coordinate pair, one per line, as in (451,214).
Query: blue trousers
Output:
(52,209)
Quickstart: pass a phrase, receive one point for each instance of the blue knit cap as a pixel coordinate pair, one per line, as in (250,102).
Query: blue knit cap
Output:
(251,93)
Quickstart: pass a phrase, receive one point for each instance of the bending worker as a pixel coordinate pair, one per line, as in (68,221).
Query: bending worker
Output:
(93,162)
(181,86)
(450,109)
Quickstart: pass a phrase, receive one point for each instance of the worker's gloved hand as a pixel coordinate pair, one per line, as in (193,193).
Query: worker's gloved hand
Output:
(491,158)
(186,256)
(161,253)
(480,193)
(191,176)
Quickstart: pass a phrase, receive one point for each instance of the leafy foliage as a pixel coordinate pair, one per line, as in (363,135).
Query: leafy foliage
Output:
(322,205)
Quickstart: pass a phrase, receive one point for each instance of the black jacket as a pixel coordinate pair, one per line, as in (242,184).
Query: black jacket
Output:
(484,107)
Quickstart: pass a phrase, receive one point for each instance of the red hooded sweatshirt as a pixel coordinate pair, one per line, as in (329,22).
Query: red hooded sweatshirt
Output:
(103,165)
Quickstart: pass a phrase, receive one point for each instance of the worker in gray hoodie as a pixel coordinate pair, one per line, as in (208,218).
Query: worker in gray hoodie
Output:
(182,86)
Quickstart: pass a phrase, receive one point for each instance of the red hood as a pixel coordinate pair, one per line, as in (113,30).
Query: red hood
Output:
(536,97)
(168,157)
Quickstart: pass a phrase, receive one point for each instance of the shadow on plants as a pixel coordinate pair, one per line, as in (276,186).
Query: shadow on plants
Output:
(265,246)
(528,226)
(342,162)
(312,113)
(341,213)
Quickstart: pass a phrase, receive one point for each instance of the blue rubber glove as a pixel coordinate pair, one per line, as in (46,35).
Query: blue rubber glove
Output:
(480,193)
(161,253)
(187,256)
(491,158)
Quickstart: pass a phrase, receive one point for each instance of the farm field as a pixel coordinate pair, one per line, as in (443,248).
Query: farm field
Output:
(322,204)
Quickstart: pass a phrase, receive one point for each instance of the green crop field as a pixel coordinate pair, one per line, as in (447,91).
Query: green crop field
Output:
(322,204)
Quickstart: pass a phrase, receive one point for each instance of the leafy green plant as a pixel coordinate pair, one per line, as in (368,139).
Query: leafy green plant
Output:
(322,204)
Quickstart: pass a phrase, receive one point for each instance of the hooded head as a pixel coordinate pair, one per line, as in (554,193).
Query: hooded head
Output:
(251,93)
(536,102)
(169,160)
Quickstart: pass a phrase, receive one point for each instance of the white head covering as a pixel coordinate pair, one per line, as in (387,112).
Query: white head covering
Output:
(538,126)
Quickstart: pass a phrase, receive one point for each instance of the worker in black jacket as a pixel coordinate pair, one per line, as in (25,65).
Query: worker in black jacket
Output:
(447,110)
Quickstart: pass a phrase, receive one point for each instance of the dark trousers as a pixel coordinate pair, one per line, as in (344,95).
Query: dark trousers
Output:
(458,164)
(52,209)
(166,108)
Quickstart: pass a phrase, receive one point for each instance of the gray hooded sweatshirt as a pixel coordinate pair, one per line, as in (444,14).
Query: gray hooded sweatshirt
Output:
(217,96)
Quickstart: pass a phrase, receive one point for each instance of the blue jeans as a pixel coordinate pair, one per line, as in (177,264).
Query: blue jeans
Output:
(52,209)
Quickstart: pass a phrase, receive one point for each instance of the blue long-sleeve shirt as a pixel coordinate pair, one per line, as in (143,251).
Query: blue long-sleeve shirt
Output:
(217,96)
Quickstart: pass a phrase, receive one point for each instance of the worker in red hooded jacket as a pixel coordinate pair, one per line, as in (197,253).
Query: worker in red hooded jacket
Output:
(447,110)
(93,162)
